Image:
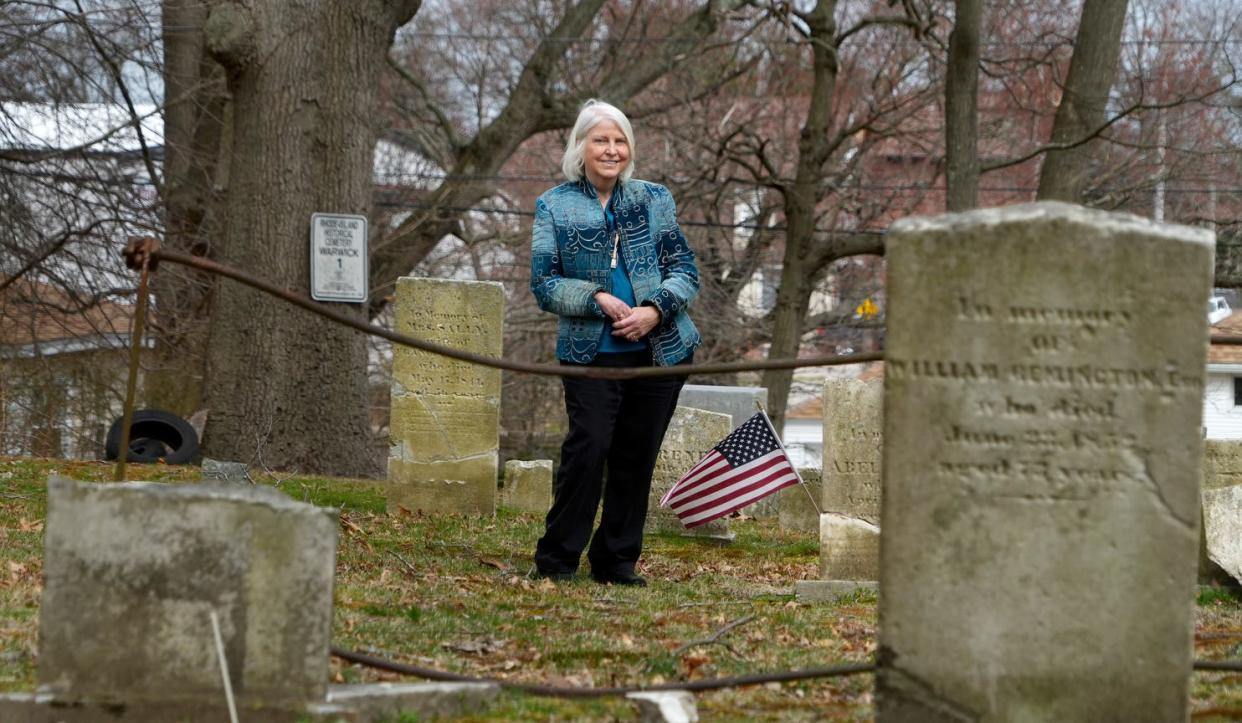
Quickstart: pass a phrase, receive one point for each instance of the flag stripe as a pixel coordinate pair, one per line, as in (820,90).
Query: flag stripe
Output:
(720,481)
(705,469)
(733,490)
(721,510)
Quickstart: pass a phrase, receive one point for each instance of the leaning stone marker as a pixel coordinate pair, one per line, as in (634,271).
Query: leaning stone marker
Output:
(1043,392)
(849,532)
(691,434)
(133,571)
(528,485)
(445,424)
(796,505)
(1222,528)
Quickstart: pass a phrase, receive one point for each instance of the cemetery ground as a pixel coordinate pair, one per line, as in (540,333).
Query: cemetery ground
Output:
(450,592)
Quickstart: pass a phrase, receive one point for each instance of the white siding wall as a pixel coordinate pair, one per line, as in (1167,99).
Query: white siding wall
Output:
(1222,419)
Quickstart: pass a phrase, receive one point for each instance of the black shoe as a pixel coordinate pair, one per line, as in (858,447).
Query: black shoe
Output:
(537,574)
(620,578)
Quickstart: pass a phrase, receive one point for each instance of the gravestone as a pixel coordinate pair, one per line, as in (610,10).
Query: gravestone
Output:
(691,434)
(1043,393)
(849,532)
(528,485)
(795,507)
(445,420)
(1222,529)
(1222,468)
(133,571)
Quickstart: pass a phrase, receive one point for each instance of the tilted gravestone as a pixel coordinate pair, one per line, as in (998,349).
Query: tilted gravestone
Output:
(691,434)
(1043,391)
(528,485)
(445,417)
(849,532)
(797,505)
(1222,469)
(133,571)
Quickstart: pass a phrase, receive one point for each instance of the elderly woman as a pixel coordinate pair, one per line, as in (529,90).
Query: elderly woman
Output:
(608,257)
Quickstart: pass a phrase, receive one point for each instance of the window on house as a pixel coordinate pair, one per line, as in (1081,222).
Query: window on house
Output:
(1237,391)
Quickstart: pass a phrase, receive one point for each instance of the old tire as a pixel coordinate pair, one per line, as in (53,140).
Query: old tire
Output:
(154,435)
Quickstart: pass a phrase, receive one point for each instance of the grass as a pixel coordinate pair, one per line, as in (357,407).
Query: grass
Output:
(450,592)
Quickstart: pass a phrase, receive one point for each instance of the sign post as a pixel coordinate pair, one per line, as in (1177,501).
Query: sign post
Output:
(338,254)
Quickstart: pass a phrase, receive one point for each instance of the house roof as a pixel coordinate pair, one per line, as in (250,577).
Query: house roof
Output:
(40,318)
(1226,353)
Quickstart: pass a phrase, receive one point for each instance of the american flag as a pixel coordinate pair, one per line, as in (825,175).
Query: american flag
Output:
(746,466)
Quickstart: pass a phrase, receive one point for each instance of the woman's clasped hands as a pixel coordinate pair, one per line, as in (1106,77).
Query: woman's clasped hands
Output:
(632,323)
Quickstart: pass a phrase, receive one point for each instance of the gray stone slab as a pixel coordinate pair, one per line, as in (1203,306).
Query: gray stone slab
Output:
(691,434)
(665,706)
(528,485)
(849,548)
(737,402)
(816,591)
(1222,528)
(795,507)
(853,441)
(1042,452)
(132,572)
(417,701)
(215,470)
(445,414)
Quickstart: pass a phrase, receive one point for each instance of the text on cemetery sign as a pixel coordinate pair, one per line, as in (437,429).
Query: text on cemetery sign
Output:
(338,253)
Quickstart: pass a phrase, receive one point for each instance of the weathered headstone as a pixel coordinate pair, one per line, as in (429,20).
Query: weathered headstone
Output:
(691,434)
(1043,392)
(445,419)
(133,571)
(1222,467)
(528,485)
(740,403)
(1222,528)
(849,532)
(796,506)
(215,470)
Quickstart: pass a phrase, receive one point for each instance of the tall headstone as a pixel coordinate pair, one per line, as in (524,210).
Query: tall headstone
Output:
(445,420)
(1043,392)
(133,572)
(849,532)
(691,434)
(740,403)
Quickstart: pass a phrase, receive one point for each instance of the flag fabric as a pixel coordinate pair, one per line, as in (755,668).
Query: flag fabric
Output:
(745,466)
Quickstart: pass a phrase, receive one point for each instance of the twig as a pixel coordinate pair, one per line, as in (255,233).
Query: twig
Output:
(714,639)
(714,602)
(224,666)
(405,562)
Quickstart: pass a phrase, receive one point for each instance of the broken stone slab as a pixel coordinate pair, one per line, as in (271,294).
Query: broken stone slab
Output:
(528,485)
(820,591)
(1044,378)
(215,470)
(691,434)
(356,703)
(665,706)
(132,572)
(796,505)
(1222,528)
(445,414)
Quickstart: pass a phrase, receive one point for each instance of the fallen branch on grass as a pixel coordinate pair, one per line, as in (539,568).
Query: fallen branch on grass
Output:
(715,638)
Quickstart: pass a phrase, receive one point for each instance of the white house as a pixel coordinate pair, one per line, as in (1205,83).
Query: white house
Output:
(1222,394)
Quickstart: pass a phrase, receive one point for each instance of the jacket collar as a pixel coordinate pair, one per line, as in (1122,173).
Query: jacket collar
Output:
(618,191)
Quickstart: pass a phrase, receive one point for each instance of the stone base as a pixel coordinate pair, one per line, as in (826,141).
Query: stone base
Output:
(364,703)
(830,590)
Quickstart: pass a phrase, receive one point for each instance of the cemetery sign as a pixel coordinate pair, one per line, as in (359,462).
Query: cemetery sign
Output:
(338,253)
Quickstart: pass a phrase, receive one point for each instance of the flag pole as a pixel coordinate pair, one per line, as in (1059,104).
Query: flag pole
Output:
(801,483)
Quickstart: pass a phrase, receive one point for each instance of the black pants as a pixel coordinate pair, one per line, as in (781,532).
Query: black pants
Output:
(615,426)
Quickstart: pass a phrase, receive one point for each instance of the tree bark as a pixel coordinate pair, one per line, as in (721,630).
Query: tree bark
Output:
(1084,99)
(801,197)
(286,389)
(961,105)
(197,104)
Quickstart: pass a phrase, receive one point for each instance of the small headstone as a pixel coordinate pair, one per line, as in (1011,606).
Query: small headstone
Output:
(665,706)
(691,434)
(1222,528)
(133,571)
(218,471)
(445,418)
(528,485)
(796,505)
(1043,391)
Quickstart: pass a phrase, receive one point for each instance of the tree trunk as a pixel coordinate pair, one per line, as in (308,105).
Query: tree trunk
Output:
(1084,100)
(193,131)
(287,389)
(961,117)
(797,280)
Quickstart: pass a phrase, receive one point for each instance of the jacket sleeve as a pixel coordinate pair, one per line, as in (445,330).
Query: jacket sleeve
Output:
(553,292)
(677,267)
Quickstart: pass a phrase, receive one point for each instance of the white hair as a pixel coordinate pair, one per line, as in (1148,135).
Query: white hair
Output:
(593,113)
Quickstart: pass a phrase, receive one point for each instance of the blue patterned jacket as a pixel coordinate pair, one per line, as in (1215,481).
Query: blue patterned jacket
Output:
(571,258)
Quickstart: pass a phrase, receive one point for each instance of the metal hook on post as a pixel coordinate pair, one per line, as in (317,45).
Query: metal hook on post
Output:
(139,256)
